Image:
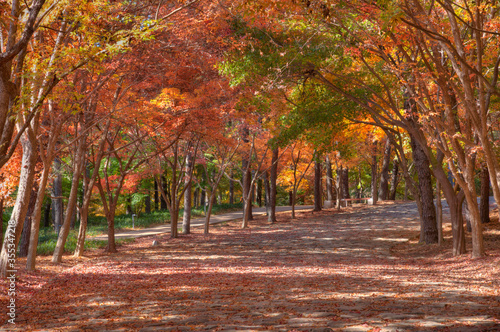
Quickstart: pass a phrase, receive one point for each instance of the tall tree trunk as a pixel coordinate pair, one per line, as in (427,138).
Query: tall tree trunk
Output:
(374,177)
(195,197)
(163,202)
(338,186)
(203,199)
(273,188)
(1,221)
(345,183)
(267,191)
(174,219)
(484,208)
(209,212)
(259,192)
(467,217)
(317,186)
(428,231)
(25,238)
(156,196)
(439,212)
(186,218)
(16,222)
(247,195)
(394,180)
(329,180)
(293,197)
(110,217)
(383,193)
(78,166)
(57,201)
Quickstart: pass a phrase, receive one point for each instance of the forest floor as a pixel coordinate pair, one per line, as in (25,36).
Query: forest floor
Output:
(360,269)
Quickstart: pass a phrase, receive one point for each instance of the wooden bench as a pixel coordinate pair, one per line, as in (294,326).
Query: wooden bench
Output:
(344,201)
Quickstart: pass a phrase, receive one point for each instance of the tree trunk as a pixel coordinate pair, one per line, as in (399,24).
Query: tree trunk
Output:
(267,192)
(80,242)
(394,180)
(338,186)
(374,178)
(273,188)
(428,231)
(329,180)
(439,213)
(1,221)
(317,186)
(484,208)
(457,225)
(16,222)
(345,183)
(25,238)
(174,218)
(259,192)
(79,164)
(195,197)
(57,201)
(156,196)
(246,213)
(467,217)
(383,193)
(163,202)
(186,218)
(247,194)
(209,213)
(111,228)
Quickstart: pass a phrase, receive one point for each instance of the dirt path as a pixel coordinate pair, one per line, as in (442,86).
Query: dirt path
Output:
(349,271)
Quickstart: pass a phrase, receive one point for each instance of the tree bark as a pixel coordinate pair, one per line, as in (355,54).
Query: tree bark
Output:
(329,180)
(484,208)
(186,218)
(345,183)
(259,192)
(156,196)
(339,186)
(78,166)
(374,177)
(394,180)
(267,192)
(25,238)
(383,193)
(16,222)
(1,221)
(428,230)
(317,186)
(439,213)
(467,217)
(57,201)
(273,188)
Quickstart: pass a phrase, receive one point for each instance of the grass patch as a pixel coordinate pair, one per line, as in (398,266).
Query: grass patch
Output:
(98,225)
(48,239)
